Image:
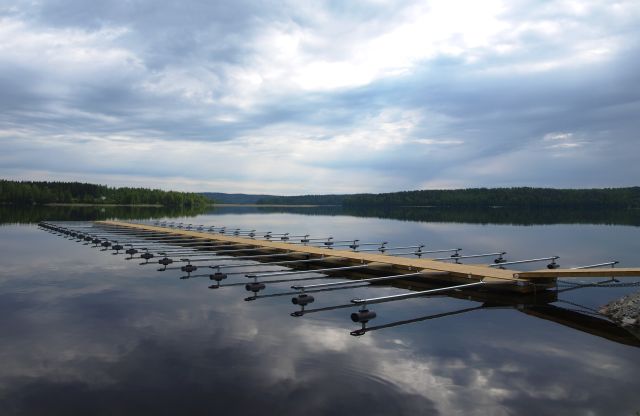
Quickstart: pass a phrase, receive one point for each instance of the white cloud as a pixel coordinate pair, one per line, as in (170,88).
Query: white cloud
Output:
(65,52)
(565,145)
(314,98)
(557,136)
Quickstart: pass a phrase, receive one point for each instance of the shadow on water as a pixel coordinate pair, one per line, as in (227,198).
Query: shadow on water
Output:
(497,215)
(541,305)
(545,305)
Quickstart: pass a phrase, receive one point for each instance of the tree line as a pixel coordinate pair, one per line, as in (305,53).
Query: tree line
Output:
(304,200)
(31,192)
(478,197)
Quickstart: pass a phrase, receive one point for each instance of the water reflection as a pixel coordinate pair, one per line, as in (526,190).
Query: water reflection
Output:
(88,333)
(536,303)
(26,214)
(539,306)
(495,215)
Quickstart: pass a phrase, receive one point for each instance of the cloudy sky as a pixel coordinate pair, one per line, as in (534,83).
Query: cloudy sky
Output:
(296,97)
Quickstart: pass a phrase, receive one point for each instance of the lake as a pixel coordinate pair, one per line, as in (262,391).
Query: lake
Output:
(87,332)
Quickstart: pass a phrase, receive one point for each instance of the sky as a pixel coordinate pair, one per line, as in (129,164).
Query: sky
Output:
(299,97)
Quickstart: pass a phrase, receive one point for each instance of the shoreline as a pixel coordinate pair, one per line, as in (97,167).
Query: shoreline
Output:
(273,205)
(88,204)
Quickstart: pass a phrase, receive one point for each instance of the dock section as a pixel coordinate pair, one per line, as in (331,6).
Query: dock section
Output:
(504,278)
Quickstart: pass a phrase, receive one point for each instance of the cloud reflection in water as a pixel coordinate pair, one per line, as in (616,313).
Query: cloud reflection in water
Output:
(114,338)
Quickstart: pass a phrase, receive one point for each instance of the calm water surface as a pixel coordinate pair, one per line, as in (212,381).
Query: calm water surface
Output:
(86,332)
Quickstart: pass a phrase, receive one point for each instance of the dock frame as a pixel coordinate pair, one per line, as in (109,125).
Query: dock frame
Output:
(492,277)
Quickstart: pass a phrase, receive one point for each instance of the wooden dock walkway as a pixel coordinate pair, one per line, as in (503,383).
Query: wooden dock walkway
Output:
(459,273)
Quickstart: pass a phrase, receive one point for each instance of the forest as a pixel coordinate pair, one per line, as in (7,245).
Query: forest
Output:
(29,192)
(479,197)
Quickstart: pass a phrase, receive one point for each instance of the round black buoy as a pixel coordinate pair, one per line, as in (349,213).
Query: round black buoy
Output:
(165,261)
(131,251)
(302,299)
(146,255)
(189,268)
(218,276)
(363,316)
(254,287)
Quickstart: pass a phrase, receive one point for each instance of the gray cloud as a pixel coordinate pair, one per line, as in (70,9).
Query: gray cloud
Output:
(442,95)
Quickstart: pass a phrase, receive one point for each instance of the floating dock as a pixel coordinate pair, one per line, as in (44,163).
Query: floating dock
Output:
(179,247)
(494,277)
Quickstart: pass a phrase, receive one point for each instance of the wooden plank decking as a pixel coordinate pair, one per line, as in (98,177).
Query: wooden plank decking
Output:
(483,273)
(566,273)
(475,272)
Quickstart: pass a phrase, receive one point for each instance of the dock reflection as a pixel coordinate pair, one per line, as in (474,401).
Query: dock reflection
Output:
(539,305)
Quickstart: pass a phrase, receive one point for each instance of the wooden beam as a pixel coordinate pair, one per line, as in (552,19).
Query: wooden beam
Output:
(599,272)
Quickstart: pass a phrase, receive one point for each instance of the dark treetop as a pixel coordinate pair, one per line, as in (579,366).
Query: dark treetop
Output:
(25,192)
(479,197)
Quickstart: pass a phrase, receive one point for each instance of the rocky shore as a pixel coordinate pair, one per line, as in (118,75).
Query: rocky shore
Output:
(625,312)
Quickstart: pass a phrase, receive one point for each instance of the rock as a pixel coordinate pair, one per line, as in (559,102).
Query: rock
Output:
(624,311)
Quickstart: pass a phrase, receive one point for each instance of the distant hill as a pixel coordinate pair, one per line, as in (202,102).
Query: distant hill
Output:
(222,198)
(329,199)
(477,197)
